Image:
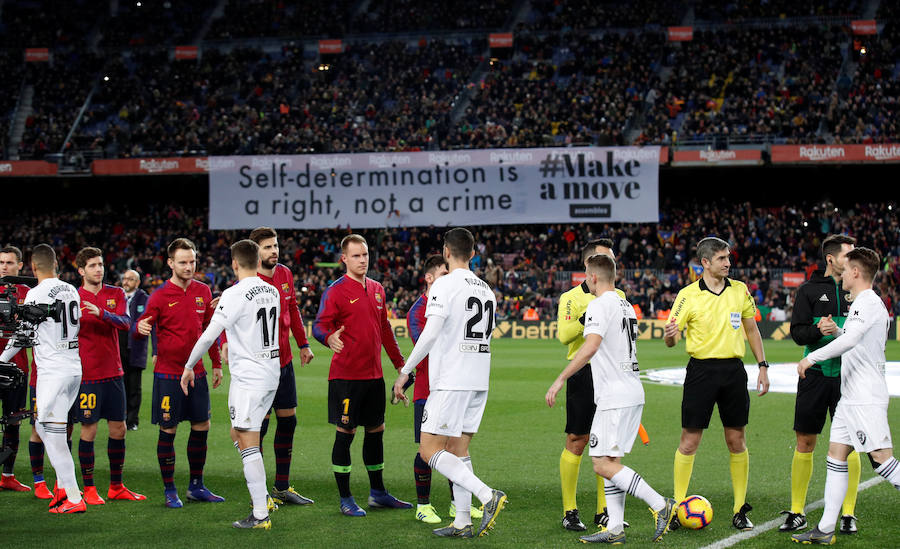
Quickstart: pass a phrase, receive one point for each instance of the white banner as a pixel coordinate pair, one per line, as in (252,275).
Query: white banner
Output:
(443,188)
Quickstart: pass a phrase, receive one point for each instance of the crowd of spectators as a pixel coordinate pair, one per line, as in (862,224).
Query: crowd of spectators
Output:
(735,11)
(48,23)
(283,18)
(528,266)
(137,24)
(562,15)
(412,15)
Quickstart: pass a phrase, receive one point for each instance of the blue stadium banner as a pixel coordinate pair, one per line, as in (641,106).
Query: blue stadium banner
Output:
(472,187)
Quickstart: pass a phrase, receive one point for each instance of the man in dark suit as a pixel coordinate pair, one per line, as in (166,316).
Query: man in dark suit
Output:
(133,349)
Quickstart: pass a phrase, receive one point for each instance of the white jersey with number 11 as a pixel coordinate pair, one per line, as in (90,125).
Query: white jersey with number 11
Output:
(461,357)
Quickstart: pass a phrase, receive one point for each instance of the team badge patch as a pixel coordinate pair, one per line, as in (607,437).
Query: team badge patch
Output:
(166,416)
(345,419)
(111,303)
(140,308)
(284,287)
(861,436)
(86,413)
(199,301)
(424,416)
(378,298)
(231,411)
(735,320)
(593,440)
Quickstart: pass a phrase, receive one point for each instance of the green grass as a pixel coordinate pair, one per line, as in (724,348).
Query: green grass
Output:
(517,450)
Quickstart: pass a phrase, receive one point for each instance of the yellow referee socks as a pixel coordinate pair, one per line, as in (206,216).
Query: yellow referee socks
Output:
(740,477)
(601,495)
(684,466)
(801,472)
(569,464)
(849,506)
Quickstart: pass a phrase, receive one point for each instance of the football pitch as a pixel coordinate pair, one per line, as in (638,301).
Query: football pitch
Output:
(517,450)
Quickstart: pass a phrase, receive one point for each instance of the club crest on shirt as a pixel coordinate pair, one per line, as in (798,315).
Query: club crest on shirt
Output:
(861,436)
(593,440)
(86,413)
(345,419)
(424,416)
(735,320)
(378,298)
(140,308)
(111,303)
(199,301)
(284,287)
(166,416)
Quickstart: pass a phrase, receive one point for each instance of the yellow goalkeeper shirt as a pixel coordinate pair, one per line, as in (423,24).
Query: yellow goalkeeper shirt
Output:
(572,306)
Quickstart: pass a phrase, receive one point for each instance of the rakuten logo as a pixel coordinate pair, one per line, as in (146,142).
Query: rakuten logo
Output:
(717,156)
(822,153)
(155,166)
(883,152)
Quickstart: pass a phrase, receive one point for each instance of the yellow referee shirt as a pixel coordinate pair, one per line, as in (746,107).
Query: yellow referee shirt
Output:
(572,305)
(712,323)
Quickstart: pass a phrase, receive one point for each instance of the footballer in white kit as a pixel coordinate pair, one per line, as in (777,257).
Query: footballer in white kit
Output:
(459,364)
(248,312)
(860,420)
(610,333)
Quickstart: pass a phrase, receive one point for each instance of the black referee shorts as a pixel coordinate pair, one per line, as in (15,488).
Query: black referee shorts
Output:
(580,405)
(353,402)
(715,381)
(817,396)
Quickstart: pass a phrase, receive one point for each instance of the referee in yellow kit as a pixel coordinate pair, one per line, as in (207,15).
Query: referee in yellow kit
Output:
(712,312)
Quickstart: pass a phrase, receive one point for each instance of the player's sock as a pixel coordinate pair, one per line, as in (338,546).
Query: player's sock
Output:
(684,466)
(890,471)
(54,437)
(801,472)
(255,474)
(165,454)
(373,457)
(601,494)
(115,451)
(284,447)
(86,459)
(196,451)
(629,481)
(262,432)
(454,469)
(463,500)
(853,470)
(740,477)
(569,464)
(836,478)
(340,462)
(36,454)
(423,480)
(615,502)
(11,441)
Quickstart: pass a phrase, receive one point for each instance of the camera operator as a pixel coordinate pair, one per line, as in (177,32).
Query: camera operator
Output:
(58,375)
(14,400)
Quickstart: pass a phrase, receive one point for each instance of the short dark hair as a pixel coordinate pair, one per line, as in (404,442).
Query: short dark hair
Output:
(246,253)
(43,257)
(590,248)
(180,244)
(868,260)
(261,233)
(86,254)
(10,249)
(460,242)
(359,239)
(602,265)
(433,263)
(710,246)
(832,245)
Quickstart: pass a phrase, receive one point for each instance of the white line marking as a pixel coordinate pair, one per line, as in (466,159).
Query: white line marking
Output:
(774,523)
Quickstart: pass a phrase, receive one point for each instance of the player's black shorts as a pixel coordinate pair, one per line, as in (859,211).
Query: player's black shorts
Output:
(286,394)
(715,381)
(100,399)
(14,400)
(171,407)
(817,396)
(580,405)
(353,402)
(419,409)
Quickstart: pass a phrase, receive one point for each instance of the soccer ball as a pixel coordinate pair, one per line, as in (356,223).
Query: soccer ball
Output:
(695,512)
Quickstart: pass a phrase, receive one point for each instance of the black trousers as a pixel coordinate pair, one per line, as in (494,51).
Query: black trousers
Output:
(132,394)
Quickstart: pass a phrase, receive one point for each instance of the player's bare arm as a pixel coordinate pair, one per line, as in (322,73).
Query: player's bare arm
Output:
(584,354)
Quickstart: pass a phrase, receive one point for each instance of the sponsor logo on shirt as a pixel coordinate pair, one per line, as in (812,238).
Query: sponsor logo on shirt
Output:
(173,304)
(474,348)
(824,298)
(352,301)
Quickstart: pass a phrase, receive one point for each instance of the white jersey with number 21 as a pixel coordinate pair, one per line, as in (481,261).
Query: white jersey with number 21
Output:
(249,311)
(461,357)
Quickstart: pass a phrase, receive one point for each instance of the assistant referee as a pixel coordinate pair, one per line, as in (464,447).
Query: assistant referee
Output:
(711,312)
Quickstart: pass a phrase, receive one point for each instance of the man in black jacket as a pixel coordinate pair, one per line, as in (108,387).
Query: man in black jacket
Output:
(820,308)
(133,349)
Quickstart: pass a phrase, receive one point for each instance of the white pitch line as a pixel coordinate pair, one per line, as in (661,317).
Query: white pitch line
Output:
(765,527)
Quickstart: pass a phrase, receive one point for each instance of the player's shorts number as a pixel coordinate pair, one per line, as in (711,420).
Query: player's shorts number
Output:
(481,310)
(164,404)
(346,403)
(88,401)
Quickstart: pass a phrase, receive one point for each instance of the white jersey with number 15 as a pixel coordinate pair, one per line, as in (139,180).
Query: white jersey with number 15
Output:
(461,357)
